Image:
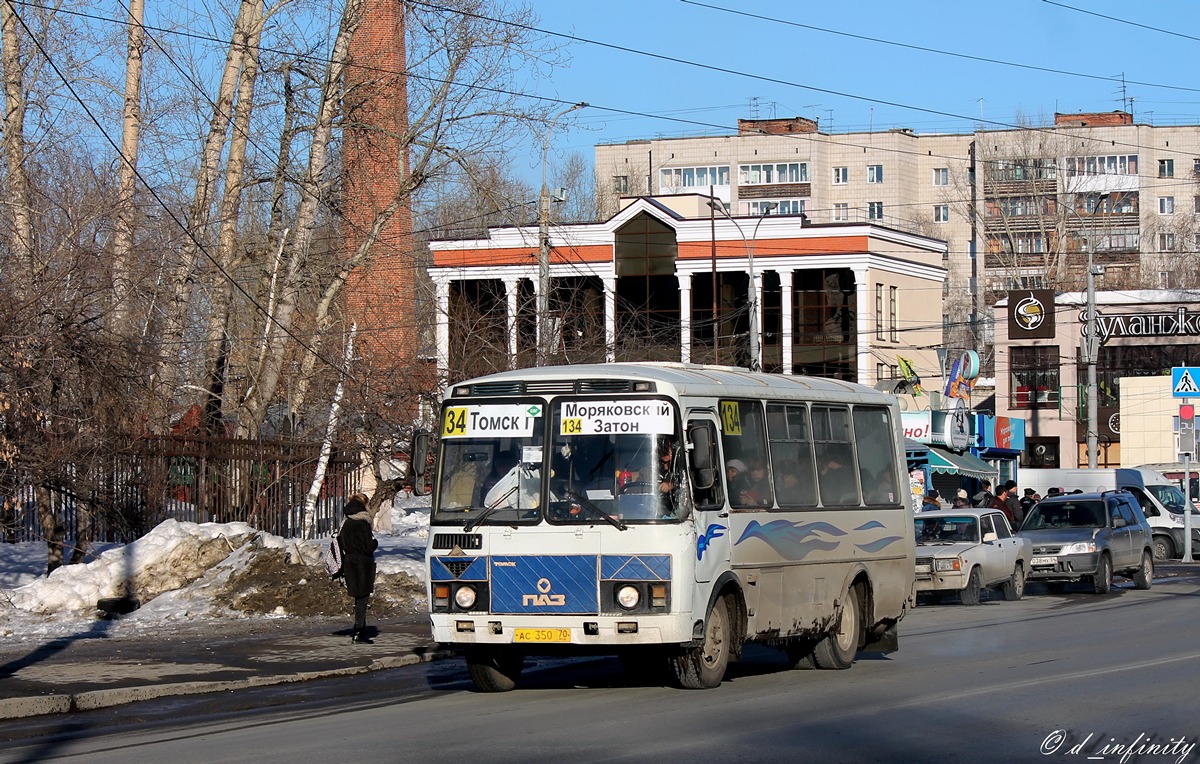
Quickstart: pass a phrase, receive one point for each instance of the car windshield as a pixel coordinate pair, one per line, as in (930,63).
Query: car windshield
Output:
(1171,498)
(1065,514)
(622,458)
(491,464)
(947,530)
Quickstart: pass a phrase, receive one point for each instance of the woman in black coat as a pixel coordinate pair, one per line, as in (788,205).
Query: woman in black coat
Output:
(358,561)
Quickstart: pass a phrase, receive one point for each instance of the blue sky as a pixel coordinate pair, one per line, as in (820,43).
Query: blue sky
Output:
(856,84)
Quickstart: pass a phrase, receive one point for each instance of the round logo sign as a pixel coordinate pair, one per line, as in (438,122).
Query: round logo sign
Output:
(1029,313)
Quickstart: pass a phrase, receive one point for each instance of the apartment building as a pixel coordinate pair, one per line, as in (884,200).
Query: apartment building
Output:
(1019,208)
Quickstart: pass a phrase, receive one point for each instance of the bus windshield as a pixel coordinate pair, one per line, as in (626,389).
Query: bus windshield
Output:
(491,468)
(621,458)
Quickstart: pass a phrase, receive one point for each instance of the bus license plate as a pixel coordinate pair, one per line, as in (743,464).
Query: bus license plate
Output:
(1044,561)
(541,635)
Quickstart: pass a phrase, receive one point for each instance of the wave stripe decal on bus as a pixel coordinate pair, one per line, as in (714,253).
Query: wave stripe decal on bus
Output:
(875,546)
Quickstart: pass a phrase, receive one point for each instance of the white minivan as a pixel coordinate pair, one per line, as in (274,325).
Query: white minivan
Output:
(1160,498)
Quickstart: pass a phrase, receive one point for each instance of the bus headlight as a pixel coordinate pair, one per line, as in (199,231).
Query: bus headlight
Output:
(464,597)
(628,597)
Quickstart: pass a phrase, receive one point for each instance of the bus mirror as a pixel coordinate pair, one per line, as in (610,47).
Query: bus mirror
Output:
(420,459)
(701,438)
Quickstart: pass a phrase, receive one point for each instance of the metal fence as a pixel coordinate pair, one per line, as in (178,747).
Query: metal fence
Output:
(195,479)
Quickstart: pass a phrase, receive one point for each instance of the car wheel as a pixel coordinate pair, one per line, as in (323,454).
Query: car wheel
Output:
(703,667)
(1144,576)
(494,670)
(1164,548)
(838,649)
(1102,578)
(970,595)
(1014,588)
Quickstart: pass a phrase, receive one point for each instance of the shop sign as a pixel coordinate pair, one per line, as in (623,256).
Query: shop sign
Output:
(1031,314)
(1181,323)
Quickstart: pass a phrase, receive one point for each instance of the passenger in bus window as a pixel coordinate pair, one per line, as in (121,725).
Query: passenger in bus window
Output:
(757,492)
(735,475)
(836,482)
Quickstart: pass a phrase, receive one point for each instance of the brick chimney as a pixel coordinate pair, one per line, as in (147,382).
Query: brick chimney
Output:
(1094,119)
(776,126)
(379,296)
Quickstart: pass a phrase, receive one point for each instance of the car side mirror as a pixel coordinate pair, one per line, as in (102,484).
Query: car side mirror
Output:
(1119,522)
(702,455)
(419,453)
(989,537)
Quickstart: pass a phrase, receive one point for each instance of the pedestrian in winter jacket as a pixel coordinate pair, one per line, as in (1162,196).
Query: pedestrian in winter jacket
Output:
(985,497)
(358,561)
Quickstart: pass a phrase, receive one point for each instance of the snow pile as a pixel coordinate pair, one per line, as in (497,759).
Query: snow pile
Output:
(181,572)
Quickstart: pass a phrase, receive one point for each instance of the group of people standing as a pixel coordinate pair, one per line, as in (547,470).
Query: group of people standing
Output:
(1007,501)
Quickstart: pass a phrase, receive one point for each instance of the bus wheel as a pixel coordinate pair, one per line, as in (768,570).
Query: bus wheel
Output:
(799,654)
(699,668)
(838,648)
(494,670)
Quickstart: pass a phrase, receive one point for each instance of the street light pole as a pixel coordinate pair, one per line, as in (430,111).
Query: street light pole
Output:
(755,363)
(544,349)
(1093,347)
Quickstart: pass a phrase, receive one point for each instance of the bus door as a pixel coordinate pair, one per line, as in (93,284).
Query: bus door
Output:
(711,513)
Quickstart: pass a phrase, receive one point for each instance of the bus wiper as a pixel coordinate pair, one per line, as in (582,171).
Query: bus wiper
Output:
(489,509)
(615,522)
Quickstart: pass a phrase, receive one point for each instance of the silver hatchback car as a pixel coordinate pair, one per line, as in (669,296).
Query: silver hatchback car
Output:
(1090,536)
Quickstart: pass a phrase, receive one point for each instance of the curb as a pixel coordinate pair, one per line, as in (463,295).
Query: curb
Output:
(42,705)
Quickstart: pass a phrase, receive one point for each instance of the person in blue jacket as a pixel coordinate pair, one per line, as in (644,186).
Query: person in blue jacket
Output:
(358,562)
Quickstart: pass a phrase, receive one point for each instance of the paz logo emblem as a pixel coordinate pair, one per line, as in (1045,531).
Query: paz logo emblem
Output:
(1029,313)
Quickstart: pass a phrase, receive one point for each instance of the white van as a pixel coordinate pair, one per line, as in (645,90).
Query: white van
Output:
(1173,471)
(1160,498)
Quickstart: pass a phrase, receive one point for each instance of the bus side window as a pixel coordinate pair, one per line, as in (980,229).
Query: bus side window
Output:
(874,440)
(836,468)
(792,455)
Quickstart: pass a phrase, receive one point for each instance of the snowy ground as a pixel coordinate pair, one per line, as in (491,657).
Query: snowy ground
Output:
(185,574)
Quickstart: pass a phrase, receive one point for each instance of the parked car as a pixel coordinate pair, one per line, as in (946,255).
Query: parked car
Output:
(1090,536)
(969,550)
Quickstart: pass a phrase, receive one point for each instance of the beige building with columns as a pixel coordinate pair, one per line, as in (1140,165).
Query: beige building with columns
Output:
(673,278)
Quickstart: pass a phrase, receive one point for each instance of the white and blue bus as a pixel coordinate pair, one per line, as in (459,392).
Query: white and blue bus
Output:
(665,511)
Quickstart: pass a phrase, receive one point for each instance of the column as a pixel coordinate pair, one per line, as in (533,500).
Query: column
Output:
(511,290)
(785,319)
(610,317)
(442,288)
(685,316)
(862,324)
(756,324)
(538,322)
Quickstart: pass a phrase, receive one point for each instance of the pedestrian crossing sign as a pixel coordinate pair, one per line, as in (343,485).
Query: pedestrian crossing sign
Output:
(1185,382)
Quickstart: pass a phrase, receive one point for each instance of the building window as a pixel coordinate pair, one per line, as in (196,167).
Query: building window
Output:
(1196,166)
(778,207)
(941,213)
(1166,205)
(1034,378)
(1122,164)
(762,174)
(1164,279)
(1040,452)
(875,210)
(894,312)
(879,314)
(1166,168)
(1197,205)
(621,184)
(941,176)
(841,211)
(874,173)
(674,178)
(841,176)
(1166,242)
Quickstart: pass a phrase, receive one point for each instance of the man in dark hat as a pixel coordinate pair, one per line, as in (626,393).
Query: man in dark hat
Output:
(932,503)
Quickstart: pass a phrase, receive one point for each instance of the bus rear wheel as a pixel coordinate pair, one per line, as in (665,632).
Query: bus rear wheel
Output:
(703,667)
(494,670)
(838,648)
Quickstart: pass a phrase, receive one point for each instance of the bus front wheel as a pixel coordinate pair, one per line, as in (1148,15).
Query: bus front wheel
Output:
(703,667)
(838,648)
(494,670)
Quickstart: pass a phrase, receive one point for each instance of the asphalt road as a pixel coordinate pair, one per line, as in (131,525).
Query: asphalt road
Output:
(1055,677)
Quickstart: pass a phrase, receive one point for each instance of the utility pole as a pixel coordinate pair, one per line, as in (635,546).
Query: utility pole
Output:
(1093,346)
(544,347)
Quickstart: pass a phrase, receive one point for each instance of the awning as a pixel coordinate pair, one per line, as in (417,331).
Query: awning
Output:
(950,463)
(915,447)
